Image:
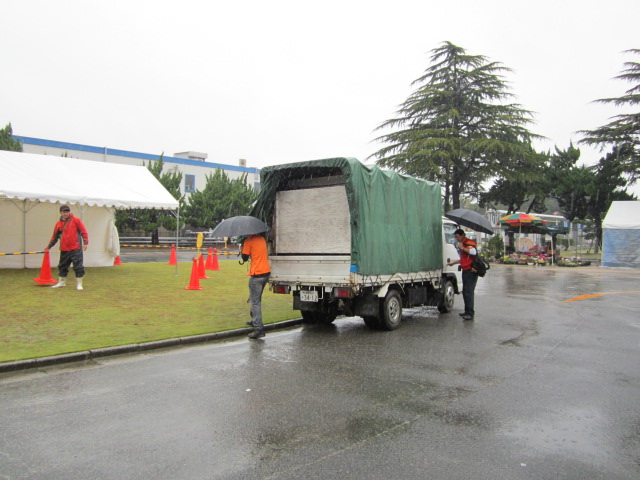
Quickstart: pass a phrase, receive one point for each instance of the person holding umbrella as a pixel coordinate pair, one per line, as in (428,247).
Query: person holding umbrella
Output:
(467,250)
(254,248)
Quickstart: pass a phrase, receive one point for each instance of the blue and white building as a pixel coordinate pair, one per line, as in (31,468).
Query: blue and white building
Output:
(193,165)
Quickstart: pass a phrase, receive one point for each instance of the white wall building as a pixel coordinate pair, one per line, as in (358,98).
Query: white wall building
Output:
(193,165)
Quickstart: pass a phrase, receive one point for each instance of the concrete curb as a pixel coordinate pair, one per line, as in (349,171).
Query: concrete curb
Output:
(31,363)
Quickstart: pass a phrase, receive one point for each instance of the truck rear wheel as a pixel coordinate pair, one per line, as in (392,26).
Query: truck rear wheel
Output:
(391,311)
(372,322)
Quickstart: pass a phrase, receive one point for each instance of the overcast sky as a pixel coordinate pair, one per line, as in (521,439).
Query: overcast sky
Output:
(280,81)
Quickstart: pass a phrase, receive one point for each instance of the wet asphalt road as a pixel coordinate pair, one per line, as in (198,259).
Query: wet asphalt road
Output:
(163,254)
(533,389)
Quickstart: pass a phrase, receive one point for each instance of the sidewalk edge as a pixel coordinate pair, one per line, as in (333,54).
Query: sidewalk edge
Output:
(31,363)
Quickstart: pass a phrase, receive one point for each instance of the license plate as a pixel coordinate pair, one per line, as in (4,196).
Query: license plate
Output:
(308,295)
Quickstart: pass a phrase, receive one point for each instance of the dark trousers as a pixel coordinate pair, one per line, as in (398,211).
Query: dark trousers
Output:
(256,287)
(69,257)
(469,280)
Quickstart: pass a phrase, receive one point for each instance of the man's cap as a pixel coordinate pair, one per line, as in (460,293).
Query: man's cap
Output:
(65,208)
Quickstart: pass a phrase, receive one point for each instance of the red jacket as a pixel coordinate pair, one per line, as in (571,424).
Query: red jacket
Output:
(69,234)
(465,259)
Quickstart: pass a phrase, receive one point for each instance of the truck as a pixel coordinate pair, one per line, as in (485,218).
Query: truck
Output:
(355,240)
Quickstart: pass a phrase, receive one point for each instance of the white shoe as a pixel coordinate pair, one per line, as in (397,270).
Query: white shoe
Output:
(79,284)
(62,282)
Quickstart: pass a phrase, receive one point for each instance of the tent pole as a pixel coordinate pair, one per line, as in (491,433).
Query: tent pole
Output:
(177,235)
(24,233)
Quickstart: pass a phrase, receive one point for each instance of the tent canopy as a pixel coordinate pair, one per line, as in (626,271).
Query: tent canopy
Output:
(43,178)
(623,215)
(621,235)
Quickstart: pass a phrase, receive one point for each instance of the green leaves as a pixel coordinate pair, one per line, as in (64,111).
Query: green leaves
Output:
(221,198)
(6,140)
(623,131)
(149,219)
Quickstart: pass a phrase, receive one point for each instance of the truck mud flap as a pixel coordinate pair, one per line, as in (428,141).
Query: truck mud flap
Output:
(367,306)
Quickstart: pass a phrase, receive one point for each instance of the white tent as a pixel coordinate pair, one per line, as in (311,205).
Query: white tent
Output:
(621,235)
(32,188)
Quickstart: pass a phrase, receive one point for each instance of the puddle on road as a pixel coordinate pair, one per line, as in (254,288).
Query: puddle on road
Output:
(579,431)
(422,312)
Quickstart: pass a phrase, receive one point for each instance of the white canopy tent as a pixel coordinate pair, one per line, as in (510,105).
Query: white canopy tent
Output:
(621,235)
(32,188)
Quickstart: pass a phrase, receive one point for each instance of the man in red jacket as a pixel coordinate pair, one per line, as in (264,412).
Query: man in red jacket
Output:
(467,251)
(72,234)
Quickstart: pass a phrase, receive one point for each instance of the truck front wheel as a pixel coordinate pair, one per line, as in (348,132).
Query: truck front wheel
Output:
(391,311)
(445,305)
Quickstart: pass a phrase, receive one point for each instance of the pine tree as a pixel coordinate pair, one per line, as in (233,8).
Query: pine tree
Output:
(457,127)
(623,131)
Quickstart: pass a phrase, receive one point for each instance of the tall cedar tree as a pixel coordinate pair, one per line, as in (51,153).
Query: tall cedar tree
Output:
(623,131)
(455,127)
(7,142)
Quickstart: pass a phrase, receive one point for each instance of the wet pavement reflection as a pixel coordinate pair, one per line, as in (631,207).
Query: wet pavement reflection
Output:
(533,388)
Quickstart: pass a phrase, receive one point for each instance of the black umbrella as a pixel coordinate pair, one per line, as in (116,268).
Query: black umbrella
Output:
(239,226)
(471,219)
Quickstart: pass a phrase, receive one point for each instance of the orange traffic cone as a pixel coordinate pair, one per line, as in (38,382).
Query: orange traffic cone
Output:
(194,283)
(45,272)
(208,265)
(214,260)
(116,261)
(201,272)
(172,259)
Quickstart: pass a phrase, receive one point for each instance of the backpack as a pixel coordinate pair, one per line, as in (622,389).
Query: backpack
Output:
(479,266)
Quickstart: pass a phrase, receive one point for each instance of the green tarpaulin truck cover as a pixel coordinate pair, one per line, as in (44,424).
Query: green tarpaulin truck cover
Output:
(396,220)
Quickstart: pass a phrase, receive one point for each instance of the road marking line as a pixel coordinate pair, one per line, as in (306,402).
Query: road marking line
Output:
(594,295)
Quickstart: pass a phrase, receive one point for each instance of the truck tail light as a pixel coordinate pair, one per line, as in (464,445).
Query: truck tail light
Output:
(342,292)
(281,289)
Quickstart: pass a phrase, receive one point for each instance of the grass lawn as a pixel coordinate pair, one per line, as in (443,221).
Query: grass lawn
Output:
(130,303)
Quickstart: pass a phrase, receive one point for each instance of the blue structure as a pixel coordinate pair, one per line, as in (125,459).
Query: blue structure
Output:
(621,235)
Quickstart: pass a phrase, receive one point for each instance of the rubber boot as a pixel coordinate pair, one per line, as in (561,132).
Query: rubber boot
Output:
(79,284)
(62,282)
(257,333)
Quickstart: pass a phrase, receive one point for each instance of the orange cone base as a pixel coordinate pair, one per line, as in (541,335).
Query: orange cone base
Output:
(208,265)
(172,258)
(194,283)
(45,272)
(214,260)
(201,273)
